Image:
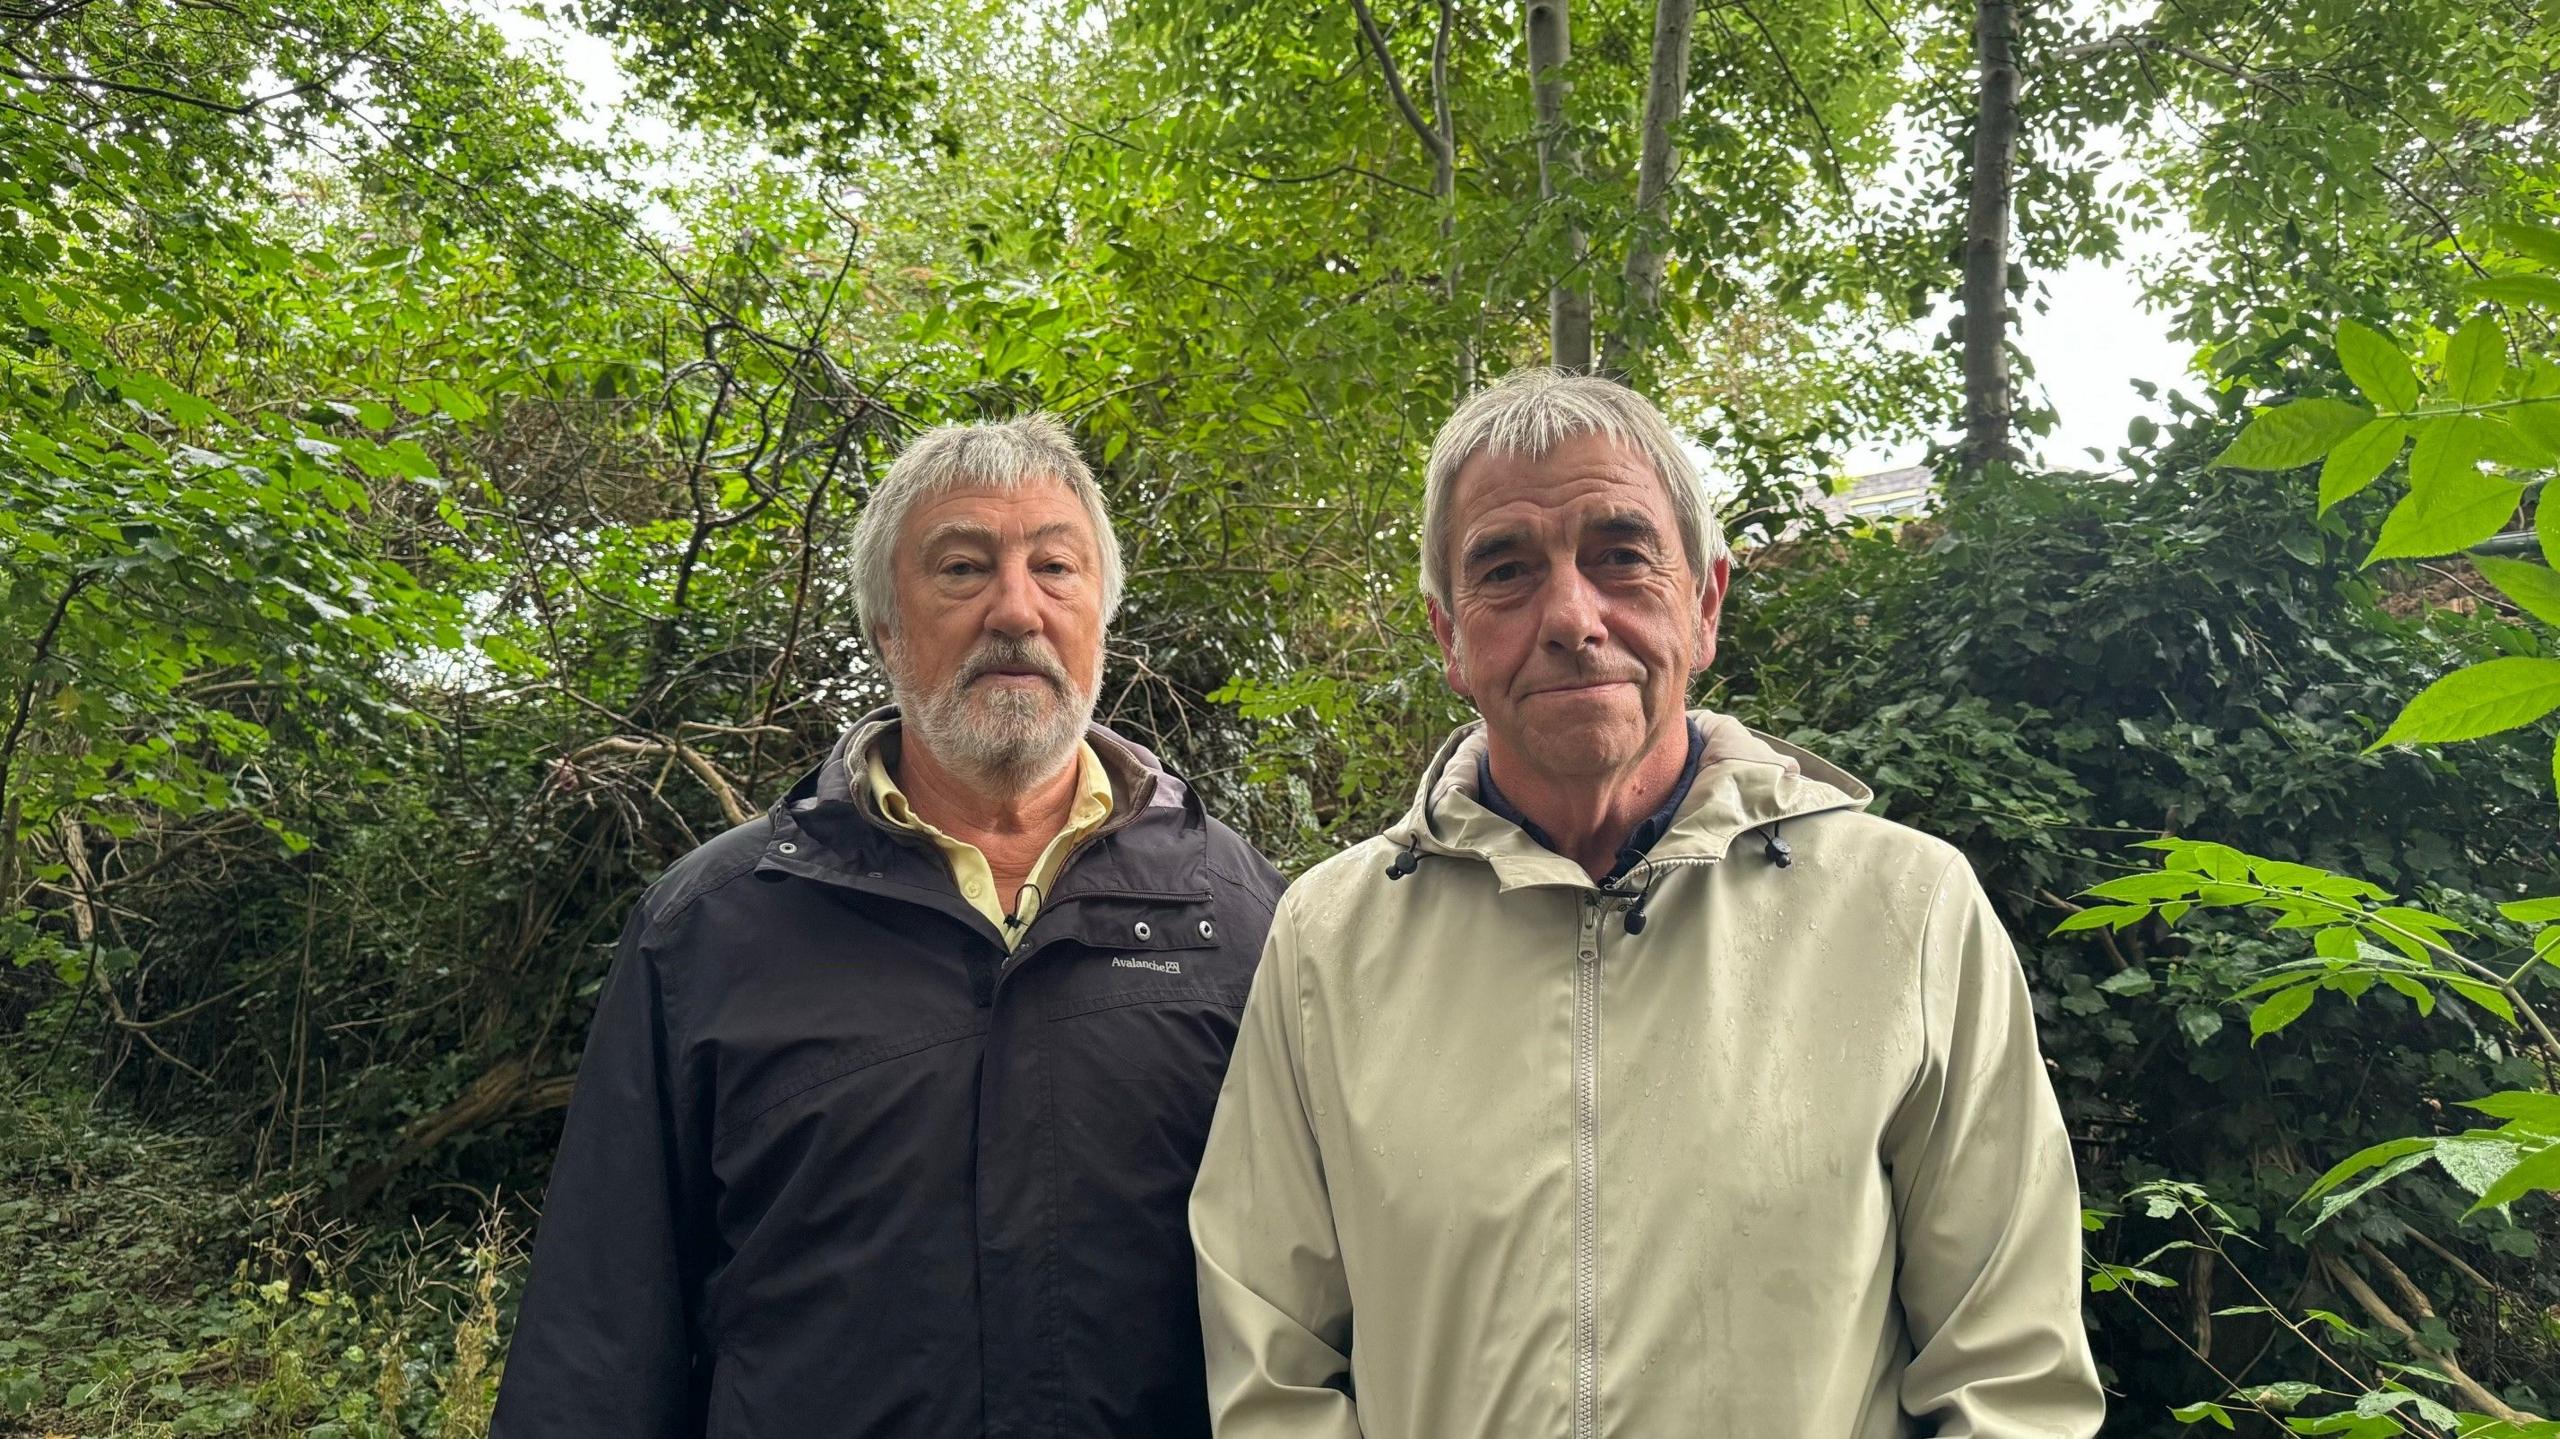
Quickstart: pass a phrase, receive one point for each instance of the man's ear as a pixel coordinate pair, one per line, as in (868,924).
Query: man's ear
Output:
(1445,631)
(1711,593)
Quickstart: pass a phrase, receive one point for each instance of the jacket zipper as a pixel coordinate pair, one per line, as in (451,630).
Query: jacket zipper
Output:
(1586,1173)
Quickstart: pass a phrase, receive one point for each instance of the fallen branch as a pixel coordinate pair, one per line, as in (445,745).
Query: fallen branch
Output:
(2473,1392)
(507,1090)
(2449,1257)
(721,789)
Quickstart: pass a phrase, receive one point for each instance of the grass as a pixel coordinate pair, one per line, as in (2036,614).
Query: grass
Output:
(145,1292)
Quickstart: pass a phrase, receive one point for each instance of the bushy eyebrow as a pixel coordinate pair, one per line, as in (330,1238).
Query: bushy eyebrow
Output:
(1617,527)
(970,532)
(1494,546)
(958,532)
(1625,525)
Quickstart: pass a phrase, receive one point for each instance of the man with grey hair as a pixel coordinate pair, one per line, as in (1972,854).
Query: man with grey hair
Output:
(1635,1083)
(892,1101)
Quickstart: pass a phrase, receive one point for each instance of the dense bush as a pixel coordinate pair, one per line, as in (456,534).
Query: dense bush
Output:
(2056,667)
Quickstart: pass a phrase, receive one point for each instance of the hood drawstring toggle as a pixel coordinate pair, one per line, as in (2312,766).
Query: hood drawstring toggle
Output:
(1778,852)
(1407,862)
(1634,920)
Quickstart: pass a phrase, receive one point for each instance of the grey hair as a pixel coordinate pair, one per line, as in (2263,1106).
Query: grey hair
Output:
(1006,454)
(1530,412)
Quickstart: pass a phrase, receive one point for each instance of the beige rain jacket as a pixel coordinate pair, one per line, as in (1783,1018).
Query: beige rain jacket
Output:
(1781,1164)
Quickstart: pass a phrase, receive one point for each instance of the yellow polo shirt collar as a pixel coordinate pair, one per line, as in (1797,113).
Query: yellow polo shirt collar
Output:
(969,868)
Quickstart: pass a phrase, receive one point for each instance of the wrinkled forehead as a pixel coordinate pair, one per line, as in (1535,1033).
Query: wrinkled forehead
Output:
(1034,508)
(1592,476)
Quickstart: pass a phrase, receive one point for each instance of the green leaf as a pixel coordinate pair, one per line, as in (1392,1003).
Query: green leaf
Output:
(2199,1022)
(2127,981)
(2293,435)
(2390,1170)
(2366,1158)
(2532,911)
(2280,1009)
(2303,971)
(2533,241)
(2375,363)
(2539,423)
(2534,588)
(2475,361)
(2546,529)
(2451,505)
(2488,996)
(2150,884)
(2200,1411)
(2359,460)
(2419,921)
(2279,1396)
(2537,1171)
(2541,292)
(2478,700)
(2534,1106)
(2099,916)
(2502,443)
(2475,1164)
(2410,989)
(2448,449)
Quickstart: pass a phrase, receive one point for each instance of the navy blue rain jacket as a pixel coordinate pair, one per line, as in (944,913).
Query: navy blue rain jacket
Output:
(843,1161)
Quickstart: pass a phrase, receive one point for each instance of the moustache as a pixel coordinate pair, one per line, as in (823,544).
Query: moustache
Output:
(1003,654)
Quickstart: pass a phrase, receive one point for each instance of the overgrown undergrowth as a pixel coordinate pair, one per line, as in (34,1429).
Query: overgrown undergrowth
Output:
(144,1292)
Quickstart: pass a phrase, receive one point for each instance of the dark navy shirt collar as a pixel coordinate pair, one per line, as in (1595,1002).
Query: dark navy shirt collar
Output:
(1648,831)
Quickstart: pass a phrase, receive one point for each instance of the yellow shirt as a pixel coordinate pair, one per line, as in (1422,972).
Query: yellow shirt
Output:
(969,868)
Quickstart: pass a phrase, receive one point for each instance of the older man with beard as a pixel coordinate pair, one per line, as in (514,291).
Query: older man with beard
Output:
(894,1095)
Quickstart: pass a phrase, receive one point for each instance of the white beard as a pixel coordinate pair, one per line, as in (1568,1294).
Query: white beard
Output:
(1008,737)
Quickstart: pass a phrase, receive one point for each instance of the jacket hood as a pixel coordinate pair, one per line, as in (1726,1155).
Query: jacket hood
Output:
(1746,781)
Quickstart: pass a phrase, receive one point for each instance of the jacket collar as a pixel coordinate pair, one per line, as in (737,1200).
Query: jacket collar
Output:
(1745,780)
(1153,848)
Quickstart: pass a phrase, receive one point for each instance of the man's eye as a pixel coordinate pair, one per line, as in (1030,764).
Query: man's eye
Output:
(959,568)
(1623,557)
(1503,573)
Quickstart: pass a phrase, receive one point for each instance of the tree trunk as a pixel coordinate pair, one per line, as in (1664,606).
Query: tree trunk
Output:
(1648,247)
(1439,137)
(11,812)
(1987,399)
(1569,297)
(1444,185)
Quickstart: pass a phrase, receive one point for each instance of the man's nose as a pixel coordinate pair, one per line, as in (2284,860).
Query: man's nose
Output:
(1016,609)
(1569,611)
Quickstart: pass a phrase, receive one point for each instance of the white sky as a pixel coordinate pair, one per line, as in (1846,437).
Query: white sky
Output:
(2093,341)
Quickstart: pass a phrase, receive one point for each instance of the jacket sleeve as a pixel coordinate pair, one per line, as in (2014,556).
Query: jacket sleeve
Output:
(1986,1199)
(1275,1308)
(603,1343)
